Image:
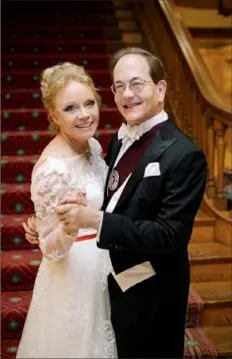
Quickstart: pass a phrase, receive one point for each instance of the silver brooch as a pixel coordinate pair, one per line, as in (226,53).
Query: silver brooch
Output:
(113,180)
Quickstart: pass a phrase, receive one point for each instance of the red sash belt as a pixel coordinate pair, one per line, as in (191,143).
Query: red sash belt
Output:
(85,238)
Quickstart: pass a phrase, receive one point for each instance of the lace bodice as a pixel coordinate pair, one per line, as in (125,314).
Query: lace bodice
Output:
(52,178)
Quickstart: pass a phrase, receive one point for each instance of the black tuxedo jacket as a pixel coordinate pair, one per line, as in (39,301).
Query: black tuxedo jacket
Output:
(153,222)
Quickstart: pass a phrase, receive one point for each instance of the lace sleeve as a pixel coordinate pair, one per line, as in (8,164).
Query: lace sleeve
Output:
(49,184)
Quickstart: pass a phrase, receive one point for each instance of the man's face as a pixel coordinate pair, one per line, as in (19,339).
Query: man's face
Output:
(137,97)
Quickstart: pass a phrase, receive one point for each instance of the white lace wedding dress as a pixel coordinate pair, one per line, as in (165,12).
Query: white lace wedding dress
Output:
(69,315)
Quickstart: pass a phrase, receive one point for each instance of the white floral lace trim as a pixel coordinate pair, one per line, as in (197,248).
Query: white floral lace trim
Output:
(55,255)
(48,186)
(105,268)
(105,347)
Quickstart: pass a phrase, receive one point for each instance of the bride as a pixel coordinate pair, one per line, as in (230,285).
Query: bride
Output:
(69,315)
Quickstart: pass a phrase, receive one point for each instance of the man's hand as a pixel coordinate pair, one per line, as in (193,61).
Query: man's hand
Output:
(31,231)
(77,196)
(74,216)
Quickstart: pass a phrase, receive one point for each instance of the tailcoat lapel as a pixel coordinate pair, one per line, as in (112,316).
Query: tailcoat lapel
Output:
(164,138)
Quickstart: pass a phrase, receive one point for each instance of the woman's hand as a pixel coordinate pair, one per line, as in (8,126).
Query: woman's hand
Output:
(31,231)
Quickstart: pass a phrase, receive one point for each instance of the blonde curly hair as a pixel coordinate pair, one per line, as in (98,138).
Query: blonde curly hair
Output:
(55,78)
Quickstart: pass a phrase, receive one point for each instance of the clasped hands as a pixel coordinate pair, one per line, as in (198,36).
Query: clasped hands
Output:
(73,212)
(70,211)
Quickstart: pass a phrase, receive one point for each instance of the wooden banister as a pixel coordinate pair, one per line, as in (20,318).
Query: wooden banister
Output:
(195,62)
(195,102)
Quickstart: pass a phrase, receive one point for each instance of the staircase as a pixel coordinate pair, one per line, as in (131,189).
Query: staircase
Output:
(85,33)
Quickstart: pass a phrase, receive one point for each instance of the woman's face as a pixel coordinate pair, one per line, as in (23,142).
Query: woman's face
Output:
(76,112)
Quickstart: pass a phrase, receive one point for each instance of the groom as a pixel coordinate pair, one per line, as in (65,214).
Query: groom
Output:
(154,188)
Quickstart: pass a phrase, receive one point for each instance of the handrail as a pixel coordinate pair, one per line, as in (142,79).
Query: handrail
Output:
(195,62)
(216,212)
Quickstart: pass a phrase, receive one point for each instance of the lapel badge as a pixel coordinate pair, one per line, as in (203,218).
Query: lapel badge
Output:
(113,180)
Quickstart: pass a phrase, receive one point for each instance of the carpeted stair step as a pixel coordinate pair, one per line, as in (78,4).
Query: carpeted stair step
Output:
(195,305)
(217,303)
(36,119)
(56,25)
(62,33)
(19,143)
(16,199)
(59,46)
(17,169)
(24,79)
(14,310)
(40,8)
(197,346)
(24,143)
(41,61)
(19,269)
(71,19)
(15,306)
(12,232)
(31,98)
(9,348)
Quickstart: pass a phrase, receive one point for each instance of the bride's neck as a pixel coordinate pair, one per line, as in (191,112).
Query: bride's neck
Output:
(77,147)
(73,145)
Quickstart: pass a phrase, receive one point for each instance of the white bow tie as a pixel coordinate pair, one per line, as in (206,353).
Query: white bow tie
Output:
(125,132)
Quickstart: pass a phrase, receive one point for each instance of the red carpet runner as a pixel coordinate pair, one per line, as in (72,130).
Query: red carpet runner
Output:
(35,37)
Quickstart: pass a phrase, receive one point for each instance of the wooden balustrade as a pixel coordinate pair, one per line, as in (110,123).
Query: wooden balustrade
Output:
(220,149)
(211,184)
(192,96)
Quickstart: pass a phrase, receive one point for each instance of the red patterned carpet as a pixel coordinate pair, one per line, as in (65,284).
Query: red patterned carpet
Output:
(35,37)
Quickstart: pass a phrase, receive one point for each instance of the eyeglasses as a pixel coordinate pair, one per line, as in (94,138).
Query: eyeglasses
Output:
(135,86)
